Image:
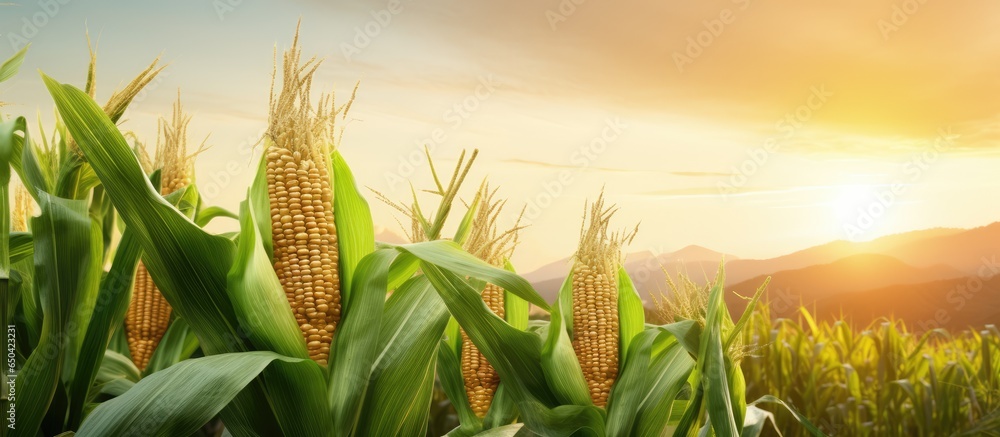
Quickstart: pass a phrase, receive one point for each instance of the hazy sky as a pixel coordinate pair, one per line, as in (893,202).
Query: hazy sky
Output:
(751,127)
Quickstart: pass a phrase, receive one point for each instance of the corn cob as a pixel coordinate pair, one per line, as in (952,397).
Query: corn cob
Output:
(595,302)
(148,315)
(303,230)
(492,246)
(481,379)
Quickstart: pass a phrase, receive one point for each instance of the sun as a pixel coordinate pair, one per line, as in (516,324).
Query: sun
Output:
(848,199)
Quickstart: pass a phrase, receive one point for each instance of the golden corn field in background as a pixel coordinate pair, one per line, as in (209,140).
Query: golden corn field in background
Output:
(125,317)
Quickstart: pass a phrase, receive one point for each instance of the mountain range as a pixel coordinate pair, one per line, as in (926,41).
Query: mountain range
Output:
(943,277)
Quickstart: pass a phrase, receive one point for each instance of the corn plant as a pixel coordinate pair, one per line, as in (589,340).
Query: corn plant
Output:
(634,379)
(264,372)
(880,380)
(61,309)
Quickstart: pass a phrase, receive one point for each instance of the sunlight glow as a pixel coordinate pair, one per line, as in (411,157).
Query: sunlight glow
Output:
(849,198)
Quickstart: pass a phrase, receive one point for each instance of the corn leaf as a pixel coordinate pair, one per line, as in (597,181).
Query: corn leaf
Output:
(206,215)
(258,299)
(296,392)
(84,303)
(503,431)
(687,333)
(809,426)
(21,246)
(724,419)
(631,314)
(353,217)
(355,345)
(747,314)
(179,255)
(31,305)
(111,305)
(178,344)
(66,259)
(667,376)
(116,376)
(465,226)
(629,390)
(402,270)
(22,157)
(260,202)
(737,387)
(516,309)
(182,398)
(756,420)
(189,266)
(503,410)
(564,420)
(75,178)
(402,379)
(9,67)
(450,256)
(117,366)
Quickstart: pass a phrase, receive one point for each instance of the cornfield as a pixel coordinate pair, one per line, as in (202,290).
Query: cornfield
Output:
(880,380)
(126,317)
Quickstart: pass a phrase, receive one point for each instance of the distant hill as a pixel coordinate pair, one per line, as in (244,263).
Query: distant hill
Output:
(741,270)
(911,275)
(386,236)
(646,269)
(697,254)
(849,275)
(964,250)
(953,304)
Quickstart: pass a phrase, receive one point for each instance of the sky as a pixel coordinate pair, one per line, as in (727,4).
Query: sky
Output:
(751,127)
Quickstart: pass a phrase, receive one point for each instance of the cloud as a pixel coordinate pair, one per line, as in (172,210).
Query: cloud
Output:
(932,71)
(737,192)
(700,173)
(563,166)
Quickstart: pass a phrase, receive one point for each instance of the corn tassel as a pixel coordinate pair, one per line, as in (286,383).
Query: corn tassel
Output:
(22,209)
